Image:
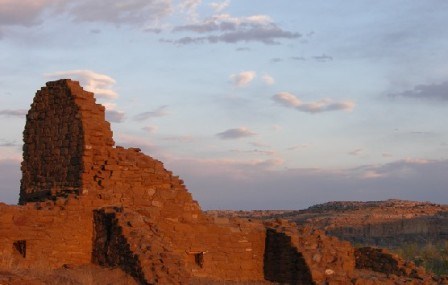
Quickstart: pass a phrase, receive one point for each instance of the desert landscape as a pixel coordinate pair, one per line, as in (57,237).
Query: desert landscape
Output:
(229,142)
(90,209)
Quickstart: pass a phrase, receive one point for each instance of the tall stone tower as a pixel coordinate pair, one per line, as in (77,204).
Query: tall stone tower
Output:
(63,127)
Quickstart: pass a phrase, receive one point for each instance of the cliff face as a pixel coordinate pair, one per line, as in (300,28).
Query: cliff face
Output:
(389,223)
(379,223)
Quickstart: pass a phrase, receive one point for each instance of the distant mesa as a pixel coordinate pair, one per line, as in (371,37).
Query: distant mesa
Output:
(84,200)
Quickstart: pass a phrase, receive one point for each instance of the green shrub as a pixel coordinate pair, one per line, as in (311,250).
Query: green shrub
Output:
(433,257)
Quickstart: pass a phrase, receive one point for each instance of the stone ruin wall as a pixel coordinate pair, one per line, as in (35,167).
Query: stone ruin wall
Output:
(83,172)
(44,238)
(84,200)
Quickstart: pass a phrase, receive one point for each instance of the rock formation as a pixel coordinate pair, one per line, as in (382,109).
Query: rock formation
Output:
(390,223)
(84,200)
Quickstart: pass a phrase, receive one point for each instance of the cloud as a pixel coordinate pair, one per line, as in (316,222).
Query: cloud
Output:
(228,29)
(159,112)
(431,92)
(147,146)
(134,12)
(236,133)
(287,99)
(264,184)
(298,146)
(371,174)
(98,83)
(10,178)
(180,139)
(19,113)
(22,13)
(243,78)
(356,152)
(189,7)
(267,79)
(276,59)
(325,105)
(115,116)
(112,114)
(260,144)
(298,58)
(255,151)
(236,168)
(150,129)
(323,58)
(142,13)
(5,143)
(219,6)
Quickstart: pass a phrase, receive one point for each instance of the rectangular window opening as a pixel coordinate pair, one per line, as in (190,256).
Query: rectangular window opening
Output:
(199,259)
(20,247)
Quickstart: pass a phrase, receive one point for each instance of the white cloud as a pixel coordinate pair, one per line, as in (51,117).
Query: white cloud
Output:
(98,83)
(287,99)
(219,6)
(236,133)
(267,79)
(159,112)
(189,7)
(243,78)
(324,105)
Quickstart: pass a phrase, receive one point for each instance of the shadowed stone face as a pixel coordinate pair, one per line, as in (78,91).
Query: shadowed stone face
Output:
(53,145)
(63,125)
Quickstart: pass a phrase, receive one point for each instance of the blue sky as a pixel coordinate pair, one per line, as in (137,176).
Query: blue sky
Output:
(255,104)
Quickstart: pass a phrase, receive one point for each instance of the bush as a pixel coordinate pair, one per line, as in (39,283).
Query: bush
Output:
(433,257)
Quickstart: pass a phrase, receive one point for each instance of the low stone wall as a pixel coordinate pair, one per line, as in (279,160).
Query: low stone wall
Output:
(40,236)
(380,260)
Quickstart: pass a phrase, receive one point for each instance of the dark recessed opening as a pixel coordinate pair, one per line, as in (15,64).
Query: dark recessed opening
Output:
(199,259)
(20,246)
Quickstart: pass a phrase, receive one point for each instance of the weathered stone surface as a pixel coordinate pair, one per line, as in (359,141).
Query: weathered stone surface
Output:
(85,201)
(389,223)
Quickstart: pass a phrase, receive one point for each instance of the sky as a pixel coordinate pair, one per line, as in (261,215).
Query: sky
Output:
(254,104)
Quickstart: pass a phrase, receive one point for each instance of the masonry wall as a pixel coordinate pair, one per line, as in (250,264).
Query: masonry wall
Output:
(107,176)
(185,250)
(44,237)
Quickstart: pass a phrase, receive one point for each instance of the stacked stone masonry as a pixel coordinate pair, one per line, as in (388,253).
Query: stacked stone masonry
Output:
(85,200)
